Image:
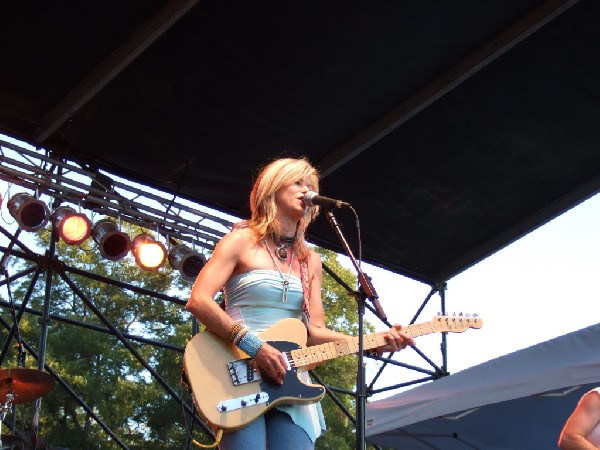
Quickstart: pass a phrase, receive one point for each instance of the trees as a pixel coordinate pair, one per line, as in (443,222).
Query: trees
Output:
(116,387)
(120,392)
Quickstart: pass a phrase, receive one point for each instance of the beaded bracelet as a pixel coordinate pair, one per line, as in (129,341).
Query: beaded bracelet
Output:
(240,334)
(250,343)
(233,331)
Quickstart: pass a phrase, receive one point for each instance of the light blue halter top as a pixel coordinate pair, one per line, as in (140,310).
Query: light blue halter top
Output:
(255,298)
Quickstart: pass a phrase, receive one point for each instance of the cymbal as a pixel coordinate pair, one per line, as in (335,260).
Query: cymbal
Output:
(25,384)
(9,440)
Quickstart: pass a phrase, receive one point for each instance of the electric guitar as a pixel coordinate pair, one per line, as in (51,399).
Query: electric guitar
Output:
(228,389)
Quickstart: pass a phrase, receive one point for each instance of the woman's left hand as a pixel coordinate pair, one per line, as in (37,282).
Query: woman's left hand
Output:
(396,340)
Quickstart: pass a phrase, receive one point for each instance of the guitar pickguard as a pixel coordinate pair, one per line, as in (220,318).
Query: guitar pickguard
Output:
(293,390)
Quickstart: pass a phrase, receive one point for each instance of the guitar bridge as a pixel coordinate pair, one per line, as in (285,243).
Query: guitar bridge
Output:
(243,371)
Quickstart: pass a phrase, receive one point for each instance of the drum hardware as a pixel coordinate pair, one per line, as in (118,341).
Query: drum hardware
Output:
(20,386)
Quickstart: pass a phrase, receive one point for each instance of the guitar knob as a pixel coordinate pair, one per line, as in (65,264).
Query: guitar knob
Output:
(223,408)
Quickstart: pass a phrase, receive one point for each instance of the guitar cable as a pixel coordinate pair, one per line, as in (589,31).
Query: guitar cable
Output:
(217,440)
(219,434)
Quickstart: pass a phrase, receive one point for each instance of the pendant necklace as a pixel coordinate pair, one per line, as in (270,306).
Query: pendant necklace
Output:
(285,280)
(282,244)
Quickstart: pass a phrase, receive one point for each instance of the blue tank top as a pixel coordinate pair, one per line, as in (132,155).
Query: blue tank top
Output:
(255,298)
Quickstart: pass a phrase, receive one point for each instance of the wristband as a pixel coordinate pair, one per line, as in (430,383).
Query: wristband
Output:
(250,343)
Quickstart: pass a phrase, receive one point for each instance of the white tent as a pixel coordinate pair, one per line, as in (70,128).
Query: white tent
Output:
(518,401)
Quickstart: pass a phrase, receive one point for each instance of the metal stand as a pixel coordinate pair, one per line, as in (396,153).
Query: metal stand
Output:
(366,291)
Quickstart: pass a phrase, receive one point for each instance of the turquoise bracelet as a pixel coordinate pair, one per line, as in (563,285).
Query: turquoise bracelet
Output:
(250,343)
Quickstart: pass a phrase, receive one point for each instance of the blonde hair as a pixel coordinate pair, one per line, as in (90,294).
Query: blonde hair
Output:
(272,177)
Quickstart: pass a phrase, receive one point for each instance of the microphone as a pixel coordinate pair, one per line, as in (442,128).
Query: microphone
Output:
(313,199)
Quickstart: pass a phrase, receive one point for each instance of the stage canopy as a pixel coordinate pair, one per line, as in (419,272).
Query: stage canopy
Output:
(519,401)
(453,128)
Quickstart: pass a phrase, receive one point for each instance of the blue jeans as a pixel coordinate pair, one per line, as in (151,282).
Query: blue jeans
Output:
(274,427)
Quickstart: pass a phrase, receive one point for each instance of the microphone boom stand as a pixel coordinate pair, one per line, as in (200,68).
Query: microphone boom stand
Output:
(366,291)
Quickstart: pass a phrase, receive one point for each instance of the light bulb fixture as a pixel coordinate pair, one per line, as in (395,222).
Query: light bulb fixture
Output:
(188,262)
(112,243)
(73,227)
(149,253)
(30,213)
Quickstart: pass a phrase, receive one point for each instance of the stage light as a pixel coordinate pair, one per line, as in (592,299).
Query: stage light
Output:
(73,227)
(148,252)
(187,261)
(113,244)
(30,213)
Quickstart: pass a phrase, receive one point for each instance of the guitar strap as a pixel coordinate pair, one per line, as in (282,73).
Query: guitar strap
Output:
(306,291)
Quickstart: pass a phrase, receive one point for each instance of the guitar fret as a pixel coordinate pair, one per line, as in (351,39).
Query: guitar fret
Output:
(339,348)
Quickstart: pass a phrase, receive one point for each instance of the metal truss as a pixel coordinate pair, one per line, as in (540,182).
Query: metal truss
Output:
(100,193)
(104,194)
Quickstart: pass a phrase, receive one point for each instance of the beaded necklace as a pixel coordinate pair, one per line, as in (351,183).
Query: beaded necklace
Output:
(284,279)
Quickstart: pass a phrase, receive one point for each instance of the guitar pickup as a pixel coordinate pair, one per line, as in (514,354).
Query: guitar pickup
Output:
(243,402)
(243,371)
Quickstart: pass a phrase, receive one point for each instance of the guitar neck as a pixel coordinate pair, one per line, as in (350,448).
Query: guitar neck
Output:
(309,356)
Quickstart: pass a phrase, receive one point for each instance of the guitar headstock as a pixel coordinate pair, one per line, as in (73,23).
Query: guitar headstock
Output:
(456,323)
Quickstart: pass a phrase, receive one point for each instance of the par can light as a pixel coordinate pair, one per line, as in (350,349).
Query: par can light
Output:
(73,227)
(30,213)
(188,262)
(149,253)
(112,243)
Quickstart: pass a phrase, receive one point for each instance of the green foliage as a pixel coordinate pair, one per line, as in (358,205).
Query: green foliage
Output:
(96,365)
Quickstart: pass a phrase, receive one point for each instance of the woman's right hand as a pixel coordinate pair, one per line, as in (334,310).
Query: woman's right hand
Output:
(271,362)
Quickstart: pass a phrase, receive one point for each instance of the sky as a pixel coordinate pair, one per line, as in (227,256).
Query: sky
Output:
(542,286)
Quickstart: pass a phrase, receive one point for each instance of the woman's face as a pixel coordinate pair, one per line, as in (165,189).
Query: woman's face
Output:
(289,198)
